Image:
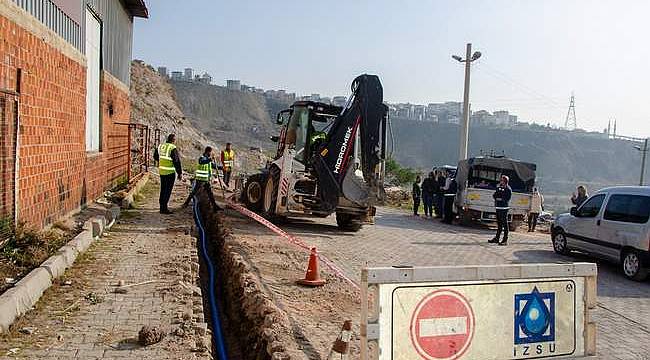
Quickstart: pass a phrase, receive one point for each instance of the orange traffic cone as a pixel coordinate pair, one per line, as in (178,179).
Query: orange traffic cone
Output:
(312,277)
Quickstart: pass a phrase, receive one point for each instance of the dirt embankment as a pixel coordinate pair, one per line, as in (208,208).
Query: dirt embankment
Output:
(244,118)
(269,315)
(155,103)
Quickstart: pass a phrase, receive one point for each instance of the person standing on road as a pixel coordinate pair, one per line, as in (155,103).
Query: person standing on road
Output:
(428,192)
(502,197)
(436,194)
(228,162)
(203,176)
(169,164)
(416,193)
(582,195)
(450,193)
(442,181)
(536,207)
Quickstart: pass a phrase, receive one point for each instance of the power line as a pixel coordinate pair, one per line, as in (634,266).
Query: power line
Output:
(500,75)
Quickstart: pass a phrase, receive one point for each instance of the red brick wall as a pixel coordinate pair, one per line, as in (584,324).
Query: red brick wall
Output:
(105,169)
(56,175)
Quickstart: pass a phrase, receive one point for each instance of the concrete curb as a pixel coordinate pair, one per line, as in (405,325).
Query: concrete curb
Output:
(16,301)
(129,200)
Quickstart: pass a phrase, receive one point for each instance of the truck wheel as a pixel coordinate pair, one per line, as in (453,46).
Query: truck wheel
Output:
(633,266)
(349,222)
(271,193)
(253,194)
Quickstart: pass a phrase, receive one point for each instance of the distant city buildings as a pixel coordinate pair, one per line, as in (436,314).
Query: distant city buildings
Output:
(449,112)
(233,85)
(339,100)
(498,118)
(186,75)
(206,78)
(445,112)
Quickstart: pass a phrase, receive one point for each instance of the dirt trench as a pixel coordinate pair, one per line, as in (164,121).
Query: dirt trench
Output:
(254,327)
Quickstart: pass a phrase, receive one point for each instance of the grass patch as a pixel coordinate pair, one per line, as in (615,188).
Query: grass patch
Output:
(28,248)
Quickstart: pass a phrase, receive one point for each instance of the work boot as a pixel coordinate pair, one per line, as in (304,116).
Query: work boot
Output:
(503,242)
(166,211)
(493,240)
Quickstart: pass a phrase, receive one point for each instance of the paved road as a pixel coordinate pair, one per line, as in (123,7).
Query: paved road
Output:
(623,314)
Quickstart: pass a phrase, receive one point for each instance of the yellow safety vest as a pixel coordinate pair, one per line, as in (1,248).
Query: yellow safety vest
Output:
(228,159)
(318,135)
(203,172)
(165,163)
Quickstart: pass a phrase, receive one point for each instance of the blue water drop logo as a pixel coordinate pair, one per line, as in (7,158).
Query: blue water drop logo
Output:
(536,315)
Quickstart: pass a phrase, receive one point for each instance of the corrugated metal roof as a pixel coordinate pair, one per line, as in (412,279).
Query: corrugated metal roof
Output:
(136,8)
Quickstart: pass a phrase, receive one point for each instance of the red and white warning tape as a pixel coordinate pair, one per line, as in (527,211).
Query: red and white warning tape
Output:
(292,239)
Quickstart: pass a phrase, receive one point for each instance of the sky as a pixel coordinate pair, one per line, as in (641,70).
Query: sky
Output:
(534,53)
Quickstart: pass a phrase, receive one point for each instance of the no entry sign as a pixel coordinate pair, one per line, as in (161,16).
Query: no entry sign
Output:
(442,325)
(478,312)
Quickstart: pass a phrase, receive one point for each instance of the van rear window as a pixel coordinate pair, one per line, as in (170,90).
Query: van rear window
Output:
(628,208)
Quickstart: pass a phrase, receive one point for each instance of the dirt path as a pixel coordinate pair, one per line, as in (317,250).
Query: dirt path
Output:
(81,316)
(316,314)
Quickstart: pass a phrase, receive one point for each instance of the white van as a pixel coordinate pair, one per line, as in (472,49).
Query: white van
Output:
(612,224)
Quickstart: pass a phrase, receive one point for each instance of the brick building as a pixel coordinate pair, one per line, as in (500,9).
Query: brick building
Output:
(64,100)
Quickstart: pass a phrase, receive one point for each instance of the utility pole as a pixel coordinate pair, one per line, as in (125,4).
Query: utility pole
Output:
(644,151)
(464,126)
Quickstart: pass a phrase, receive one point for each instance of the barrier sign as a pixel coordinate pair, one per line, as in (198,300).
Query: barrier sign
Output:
(481,312)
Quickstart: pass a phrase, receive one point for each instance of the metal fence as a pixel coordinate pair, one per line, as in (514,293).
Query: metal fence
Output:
(8,127)
(140,150)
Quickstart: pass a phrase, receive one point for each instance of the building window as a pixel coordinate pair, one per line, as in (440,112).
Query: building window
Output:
(93,67)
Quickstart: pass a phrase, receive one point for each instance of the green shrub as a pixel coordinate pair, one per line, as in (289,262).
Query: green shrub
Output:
(400,175)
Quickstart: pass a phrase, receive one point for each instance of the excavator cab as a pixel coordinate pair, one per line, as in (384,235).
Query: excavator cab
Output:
(304,128)
(329,159)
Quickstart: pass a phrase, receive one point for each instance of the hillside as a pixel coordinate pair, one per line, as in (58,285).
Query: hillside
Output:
(245,118)
(154,103)
(563,158)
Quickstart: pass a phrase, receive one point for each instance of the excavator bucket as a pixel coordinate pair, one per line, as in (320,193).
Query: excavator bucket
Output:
(365,113)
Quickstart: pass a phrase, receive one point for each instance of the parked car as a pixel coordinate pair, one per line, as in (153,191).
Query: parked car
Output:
(611,224)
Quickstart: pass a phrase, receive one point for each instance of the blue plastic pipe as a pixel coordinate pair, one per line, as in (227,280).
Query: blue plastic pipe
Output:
(217,334)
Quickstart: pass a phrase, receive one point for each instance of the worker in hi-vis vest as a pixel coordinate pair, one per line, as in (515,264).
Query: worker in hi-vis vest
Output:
(169,165)
(228,161)
(203,176)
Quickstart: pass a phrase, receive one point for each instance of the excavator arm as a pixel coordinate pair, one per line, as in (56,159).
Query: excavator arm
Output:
(334,163)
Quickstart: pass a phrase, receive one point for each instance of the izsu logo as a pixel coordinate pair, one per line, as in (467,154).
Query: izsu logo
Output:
(534,323)
(344,147)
